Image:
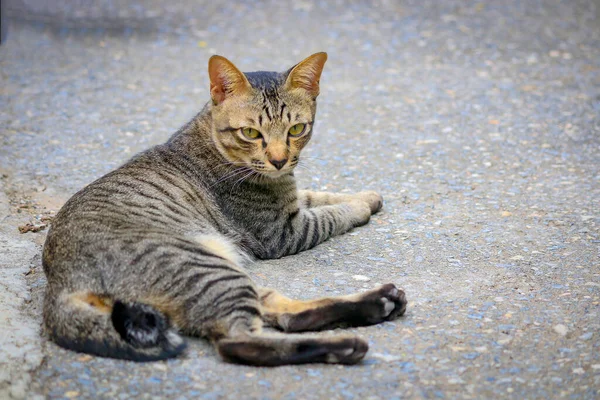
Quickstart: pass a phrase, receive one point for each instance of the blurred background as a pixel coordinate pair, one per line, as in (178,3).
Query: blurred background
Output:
(414,68)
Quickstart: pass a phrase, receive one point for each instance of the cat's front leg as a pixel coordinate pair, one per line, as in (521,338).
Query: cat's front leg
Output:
(304,228)
(310,199)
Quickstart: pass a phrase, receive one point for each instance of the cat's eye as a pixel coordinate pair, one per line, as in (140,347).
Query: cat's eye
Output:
(297,129)
(251,133)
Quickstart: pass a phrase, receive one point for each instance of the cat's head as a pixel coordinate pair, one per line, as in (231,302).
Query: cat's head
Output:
(262,120)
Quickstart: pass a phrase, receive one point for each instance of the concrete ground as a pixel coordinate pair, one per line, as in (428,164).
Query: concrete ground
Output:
(477,121)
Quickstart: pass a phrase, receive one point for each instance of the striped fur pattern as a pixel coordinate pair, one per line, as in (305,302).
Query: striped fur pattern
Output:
(156,249)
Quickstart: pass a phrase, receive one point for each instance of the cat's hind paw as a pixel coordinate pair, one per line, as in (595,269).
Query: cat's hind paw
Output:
(384,303)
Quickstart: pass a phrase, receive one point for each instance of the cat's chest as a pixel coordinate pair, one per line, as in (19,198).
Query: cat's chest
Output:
(253,207)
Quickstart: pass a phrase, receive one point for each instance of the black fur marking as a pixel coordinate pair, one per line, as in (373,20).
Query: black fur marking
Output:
(308,221)
(209,284)
(138,324)
(330,226)
(294,213)
(315,236)
(177,211)
(241,308)
(159,188)
(283,239)
(150,249)
(241,292)
(245,309)
(228,129)
(192,281)
(266,109)
(175,283)
(283,106)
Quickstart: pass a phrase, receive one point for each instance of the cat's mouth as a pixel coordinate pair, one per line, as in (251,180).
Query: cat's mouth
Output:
(274,174)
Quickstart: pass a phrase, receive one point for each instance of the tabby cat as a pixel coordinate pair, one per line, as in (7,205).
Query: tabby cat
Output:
(157,247)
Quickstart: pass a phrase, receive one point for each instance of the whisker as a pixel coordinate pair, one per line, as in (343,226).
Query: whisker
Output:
(231,163)
(235,173)
(307,167)
(312,158)
(242,179)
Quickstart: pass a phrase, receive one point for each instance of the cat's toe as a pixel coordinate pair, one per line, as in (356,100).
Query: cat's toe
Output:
(385,303)
(393,300)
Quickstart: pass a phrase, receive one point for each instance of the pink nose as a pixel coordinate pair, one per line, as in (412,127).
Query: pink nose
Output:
(279,163)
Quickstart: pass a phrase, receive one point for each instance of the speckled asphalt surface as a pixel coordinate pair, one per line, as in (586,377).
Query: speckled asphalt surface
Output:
(477,121)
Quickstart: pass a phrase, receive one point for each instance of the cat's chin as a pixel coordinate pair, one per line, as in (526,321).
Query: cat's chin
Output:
(275,174)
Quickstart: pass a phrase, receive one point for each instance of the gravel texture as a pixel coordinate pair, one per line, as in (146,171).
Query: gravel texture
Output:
(477,121)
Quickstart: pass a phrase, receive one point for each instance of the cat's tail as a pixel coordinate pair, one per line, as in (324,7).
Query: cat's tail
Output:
(96,324)
(281,349)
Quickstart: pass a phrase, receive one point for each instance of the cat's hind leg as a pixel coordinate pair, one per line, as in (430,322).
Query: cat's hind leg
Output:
(281,349)
(255,347)
(205,292)
(384,303)
(258,348)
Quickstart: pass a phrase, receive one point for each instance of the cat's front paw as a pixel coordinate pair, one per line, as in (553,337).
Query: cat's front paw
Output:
(373,199)
(360,212)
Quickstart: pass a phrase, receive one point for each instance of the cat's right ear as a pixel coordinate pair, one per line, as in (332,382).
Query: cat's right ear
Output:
(225,79)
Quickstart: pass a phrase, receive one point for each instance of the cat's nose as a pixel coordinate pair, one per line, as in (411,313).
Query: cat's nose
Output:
(279,163)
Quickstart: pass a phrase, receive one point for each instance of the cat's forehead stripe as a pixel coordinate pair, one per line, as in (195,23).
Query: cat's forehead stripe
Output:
(283,106)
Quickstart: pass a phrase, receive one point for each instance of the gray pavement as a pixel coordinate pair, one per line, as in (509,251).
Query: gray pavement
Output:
(477,121)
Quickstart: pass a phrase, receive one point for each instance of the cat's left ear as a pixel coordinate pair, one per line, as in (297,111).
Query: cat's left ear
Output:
(307,73)
(225,79)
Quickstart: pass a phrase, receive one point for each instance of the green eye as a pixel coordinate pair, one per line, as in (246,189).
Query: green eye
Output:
(297,129)
(251,133)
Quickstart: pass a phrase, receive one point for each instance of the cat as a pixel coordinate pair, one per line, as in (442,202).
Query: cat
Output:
(156,248)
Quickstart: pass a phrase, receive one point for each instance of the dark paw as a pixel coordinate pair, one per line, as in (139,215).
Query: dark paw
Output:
(337,350)
(398,297)
(385,303)
(347,351)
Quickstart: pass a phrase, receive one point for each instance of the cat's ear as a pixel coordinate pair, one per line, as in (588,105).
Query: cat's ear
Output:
(225,79)
(307,73)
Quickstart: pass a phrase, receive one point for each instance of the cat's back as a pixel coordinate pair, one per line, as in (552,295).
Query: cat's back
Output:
(158,192)
(157,183)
